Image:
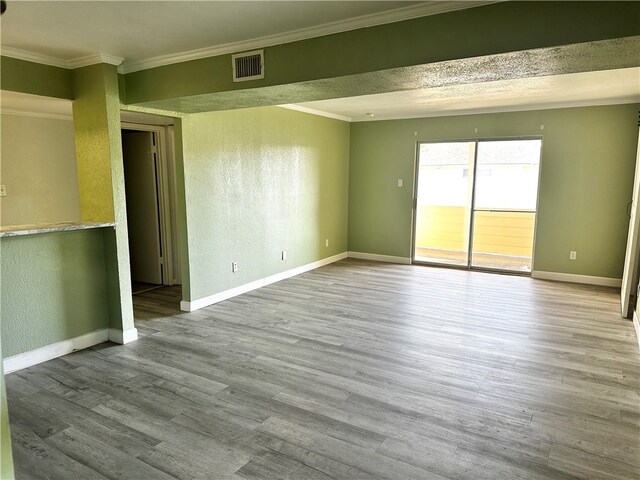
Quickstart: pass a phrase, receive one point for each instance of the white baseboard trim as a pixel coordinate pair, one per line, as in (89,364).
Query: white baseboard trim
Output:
(247,287)
(380,258)
(636,325)
(569,277)
(55,350)
(123,337)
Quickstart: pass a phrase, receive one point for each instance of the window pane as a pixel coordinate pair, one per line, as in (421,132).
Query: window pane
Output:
(507,175)
(442,215)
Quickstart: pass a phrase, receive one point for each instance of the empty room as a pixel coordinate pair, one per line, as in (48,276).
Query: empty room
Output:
(319,240)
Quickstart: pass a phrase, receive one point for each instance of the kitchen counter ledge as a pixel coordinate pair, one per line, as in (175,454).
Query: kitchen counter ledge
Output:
(33,229)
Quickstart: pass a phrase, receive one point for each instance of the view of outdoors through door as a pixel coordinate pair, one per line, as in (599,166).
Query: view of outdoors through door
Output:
(445,188)
(476,203)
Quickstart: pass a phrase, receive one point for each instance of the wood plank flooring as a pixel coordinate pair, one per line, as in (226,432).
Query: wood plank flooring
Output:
(353,371)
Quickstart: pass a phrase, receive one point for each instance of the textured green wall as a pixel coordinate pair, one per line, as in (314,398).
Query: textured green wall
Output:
(80,279)
(53,288)
(93,142)
(30,77)
(96,116)
(503,27)
(259,181)
(587,167)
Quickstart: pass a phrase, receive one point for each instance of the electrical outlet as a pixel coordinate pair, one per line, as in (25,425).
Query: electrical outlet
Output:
(3,190)
(572,255)
(234,267)
(284,254)
(326,242)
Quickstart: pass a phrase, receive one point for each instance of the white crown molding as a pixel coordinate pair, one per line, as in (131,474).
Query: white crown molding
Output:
(33,57)
(391,16)
(94,59)
(319,113)
(84,61)
(397,15)
(28,105)
(28,113)
(455,112)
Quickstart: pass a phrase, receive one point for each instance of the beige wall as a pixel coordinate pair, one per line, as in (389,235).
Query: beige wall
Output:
(38,168)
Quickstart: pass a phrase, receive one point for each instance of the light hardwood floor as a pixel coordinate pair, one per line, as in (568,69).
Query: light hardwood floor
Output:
(356,370)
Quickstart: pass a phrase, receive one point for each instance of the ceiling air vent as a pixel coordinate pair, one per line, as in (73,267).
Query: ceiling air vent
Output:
(248,65)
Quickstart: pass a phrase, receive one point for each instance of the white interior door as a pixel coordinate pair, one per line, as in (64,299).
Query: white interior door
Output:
(630,272)
(143,219)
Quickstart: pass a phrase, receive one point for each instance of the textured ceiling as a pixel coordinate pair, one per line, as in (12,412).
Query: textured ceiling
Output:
(569,90)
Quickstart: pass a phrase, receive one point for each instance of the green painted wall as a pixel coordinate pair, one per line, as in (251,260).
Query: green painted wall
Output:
(30,77)
(44,261)
(53,288)
(96,115)
(39,170)
(503,27)
(587,168)
(256,182)
(93,142)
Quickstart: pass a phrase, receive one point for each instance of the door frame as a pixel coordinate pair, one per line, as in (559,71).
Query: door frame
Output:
(629,286)
(469,266)
(166,196)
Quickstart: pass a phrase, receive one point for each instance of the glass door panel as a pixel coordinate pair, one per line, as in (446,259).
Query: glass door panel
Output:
(504,207)
(443,207)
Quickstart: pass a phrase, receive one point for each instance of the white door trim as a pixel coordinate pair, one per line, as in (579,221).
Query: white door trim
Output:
(631,261)
(167,196)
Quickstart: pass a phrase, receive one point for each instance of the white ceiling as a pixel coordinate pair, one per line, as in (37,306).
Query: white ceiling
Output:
(572,90)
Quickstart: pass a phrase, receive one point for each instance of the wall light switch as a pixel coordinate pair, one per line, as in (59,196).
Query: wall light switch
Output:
(326,242)
(572,255)
(284,254)
(3,190)
(400,182)
(234,267)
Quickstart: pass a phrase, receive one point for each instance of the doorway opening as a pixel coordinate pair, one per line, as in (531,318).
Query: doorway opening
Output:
(476,204)
(149,174)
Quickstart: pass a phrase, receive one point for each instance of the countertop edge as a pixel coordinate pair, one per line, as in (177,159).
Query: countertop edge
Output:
(20,230)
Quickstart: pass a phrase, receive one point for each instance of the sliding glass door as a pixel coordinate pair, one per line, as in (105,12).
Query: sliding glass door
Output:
(443,207)
(504,208)
(476,204)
